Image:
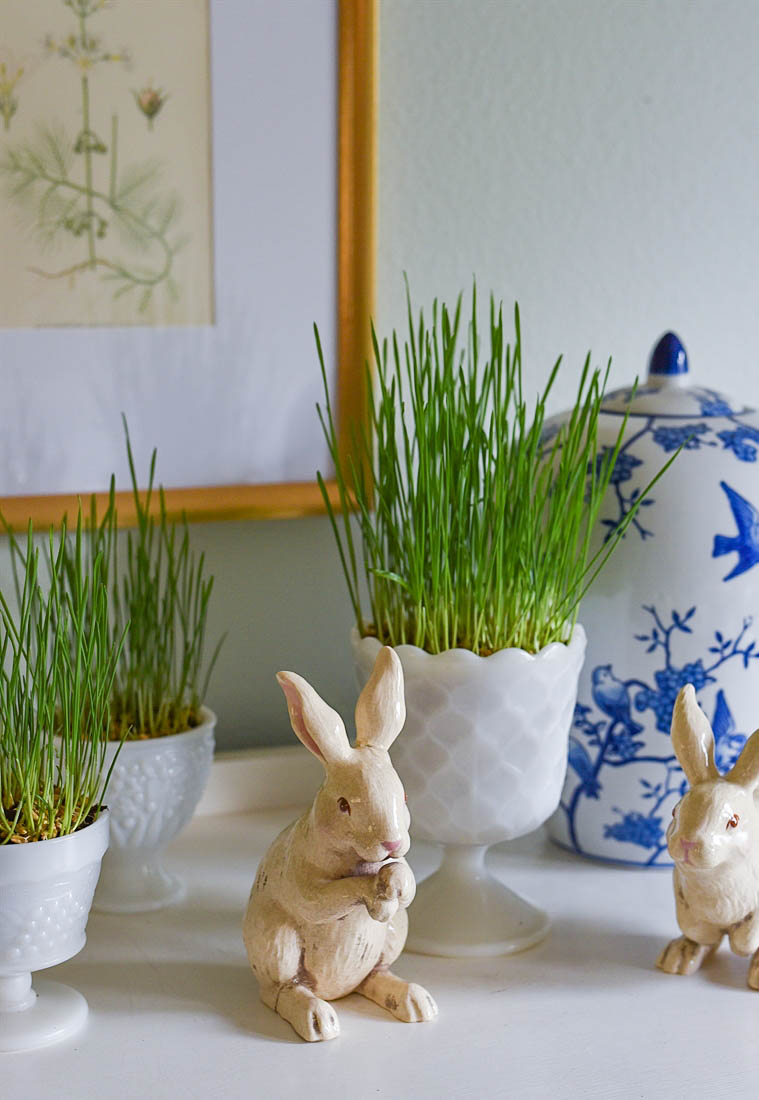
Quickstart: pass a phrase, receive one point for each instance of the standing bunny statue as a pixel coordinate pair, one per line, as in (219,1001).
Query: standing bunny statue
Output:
(714,841)
(327,912)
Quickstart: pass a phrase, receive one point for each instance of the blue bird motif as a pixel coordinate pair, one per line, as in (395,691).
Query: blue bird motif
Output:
(727,743)
(612,697)
(582,764)
(746,542)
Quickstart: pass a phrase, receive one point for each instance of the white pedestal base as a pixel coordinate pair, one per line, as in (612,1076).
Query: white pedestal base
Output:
(462,910)
(134,886)
(32,1018)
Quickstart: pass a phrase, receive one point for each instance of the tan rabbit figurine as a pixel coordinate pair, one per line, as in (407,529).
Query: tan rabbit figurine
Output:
(714,841)
(327,912)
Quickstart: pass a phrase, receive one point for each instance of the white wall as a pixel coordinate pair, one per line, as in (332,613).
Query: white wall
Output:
(596,159)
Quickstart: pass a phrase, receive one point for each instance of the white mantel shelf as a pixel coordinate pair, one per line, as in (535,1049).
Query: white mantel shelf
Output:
(174,1010)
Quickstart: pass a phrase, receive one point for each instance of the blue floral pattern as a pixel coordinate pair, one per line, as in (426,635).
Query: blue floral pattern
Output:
(686,435)
(605,734)
(635,828)
(742,440)
(714,404)
(623,467)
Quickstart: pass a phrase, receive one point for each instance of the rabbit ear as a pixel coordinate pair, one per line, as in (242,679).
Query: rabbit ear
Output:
(692,738)
(745,771)
(381,707)
(318,726)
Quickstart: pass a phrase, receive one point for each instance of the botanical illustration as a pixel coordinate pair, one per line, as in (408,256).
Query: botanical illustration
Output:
(606,734)
(93,189)
(10,75)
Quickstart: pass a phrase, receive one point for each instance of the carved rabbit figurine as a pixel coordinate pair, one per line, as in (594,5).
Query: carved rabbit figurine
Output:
(327,912)
(714,840)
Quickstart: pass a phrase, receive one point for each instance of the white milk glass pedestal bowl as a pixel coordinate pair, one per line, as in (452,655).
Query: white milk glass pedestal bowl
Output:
(46,889)
(482,757)
(152,794)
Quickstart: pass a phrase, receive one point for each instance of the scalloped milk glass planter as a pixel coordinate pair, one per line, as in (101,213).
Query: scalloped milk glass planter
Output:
(483,758)
(152,794)
(46,890)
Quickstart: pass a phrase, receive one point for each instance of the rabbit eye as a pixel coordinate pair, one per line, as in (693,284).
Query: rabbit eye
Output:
(405,797)
(732,822)
(344,806)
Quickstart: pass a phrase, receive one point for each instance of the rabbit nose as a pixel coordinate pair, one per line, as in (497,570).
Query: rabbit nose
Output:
(391,845)
(687,846)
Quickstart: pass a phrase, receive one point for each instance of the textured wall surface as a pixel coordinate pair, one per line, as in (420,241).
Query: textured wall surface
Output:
(598,160)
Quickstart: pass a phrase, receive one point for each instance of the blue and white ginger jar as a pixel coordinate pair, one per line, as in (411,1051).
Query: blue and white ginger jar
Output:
(677,603)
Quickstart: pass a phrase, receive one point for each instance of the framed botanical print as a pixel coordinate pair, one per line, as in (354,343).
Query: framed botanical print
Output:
(184,190)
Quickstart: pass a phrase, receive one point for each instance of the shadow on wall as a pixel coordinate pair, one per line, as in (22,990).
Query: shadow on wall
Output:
(280,596)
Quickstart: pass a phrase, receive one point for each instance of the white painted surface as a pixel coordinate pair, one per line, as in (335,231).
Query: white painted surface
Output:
(264,778)
(174,1010)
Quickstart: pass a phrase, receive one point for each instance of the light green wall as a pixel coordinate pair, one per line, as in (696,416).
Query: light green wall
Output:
(278,594)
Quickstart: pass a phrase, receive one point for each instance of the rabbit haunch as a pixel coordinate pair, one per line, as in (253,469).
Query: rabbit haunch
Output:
(327,911)
(714,841)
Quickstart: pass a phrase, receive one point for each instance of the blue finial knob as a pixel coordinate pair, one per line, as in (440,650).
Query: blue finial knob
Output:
(669,356)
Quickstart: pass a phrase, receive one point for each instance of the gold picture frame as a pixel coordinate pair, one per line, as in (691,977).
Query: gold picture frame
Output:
(356,251)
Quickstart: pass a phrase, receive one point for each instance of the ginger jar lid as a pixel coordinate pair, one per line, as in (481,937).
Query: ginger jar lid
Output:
(668,390)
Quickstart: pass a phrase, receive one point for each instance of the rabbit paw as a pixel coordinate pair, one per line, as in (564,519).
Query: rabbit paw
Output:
(683,956)
(414,1006)
(393,884)
(382,909)
(320,1022)
(314,1019)
(753,972)
(407,1001)
(395,880)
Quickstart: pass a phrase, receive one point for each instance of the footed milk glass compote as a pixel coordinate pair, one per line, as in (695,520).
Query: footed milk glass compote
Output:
(46,890)
(474,516)
(482,757)
(154,788)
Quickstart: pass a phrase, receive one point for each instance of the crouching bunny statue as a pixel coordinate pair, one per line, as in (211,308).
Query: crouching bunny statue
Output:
(327,912)
(714,841)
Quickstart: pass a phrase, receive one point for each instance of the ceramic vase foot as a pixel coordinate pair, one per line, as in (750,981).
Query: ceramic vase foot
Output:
(32,1018)
(463,910)
(128,886)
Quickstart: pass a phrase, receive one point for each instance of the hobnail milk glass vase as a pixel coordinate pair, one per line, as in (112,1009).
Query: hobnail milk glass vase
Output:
(482,757)
(46,890)
(152,794)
